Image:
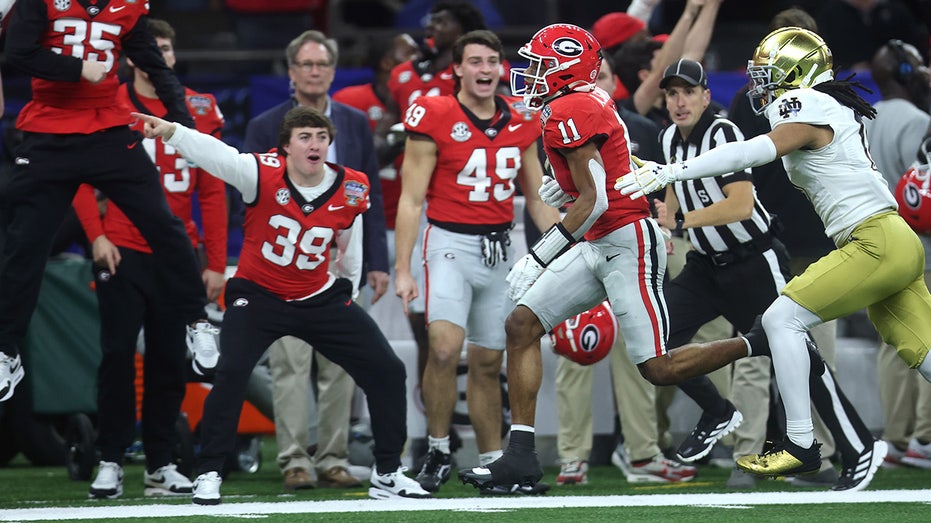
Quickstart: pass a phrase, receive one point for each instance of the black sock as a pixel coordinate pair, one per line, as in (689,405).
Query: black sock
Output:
(522,441)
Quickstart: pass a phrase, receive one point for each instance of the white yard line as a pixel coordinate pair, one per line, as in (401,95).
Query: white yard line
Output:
(478,504)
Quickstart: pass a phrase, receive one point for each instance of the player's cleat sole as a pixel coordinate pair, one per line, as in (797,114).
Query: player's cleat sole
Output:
(537,489)
(784,459)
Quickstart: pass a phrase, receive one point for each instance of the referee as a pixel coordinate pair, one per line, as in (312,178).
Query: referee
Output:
(736,268)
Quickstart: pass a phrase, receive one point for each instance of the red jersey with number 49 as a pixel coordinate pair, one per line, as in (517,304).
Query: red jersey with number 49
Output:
(477,162)
(81,107)
(287,239)
(575,119)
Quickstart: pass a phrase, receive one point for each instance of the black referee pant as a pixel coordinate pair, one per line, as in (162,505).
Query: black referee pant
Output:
(48,170)
(132,298)
(333,324)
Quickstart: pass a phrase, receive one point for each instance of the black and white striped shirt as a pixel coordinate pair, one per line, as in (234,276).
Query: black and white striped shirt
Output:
(711,131)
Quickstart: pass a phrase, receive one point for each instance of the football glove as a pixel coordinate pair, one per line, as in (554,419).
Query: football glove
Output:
(552,194)
(522,275)
(649,177)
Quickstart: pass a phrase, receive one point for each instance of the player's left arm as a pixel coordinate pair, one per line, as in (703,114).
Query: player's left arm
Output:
(588,175)
(349,263)
(530,178)
(139,46)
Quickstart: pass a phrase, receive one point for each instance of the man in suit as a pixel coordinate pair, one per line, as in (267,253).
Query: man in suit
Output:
(312,59)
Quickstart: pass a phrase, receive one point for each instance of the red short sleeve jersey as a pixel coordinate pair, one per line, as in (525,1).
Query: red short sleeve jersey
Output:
(180,180)
(407,83)
(576,119)
(288,240)
(81,107)
(477,162)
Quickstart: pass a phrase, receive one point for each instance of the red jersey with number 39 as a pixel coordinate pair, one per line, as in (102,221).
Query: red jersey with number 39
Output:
(288,240)
(82,107)
(575,119)
(477,162)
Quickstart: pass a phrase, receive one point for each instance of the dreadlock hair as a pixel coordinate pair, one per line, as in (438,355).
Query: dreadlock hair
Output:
(842,91)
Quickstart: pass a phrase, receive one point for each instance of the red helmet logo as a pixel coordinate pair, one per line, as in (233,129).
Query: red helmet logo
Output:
(914,197)
(586,338)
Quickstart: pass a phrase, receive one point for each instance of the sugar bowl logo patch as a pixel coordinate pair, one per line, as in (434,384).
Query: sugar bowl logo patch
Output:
(461,132)
(200,104)
(283,196)
(62,5)
(355,192)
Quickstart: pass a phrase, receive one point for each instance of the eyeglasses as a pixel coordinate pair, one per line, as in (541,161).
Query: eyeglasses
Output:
(309,66)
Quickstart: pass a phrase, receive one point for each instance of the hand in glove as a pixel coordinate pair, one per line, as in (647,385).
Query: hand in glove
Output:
(552,194)
(524,273)
(649,177)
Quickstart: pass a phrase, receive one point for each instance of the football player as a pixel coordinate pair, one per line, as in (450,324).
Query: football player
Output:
(463,155)
(298,207)
(817,129)
(75,133)
(623,259)
(130,294)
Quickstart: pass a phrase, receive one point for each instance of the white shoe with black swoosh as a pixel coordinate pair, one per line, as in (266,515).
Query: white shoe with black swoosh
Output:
(11,373)
(395,485)
(167,481)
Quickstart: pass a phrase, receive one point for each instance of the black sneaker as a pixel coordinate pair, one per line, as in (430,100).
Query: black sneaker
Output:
(536,489)
(708,431)
(858,476)
(784,459)
(435,471)
(522,469)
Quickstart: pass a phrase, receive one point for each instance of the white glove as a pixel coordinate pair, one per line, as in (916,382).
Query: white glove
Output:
(522,275)
(552,194)
(648,178)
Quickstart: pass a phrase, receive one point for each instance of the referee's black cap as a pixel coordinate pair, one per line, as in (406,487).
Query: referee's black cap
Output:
(688,70)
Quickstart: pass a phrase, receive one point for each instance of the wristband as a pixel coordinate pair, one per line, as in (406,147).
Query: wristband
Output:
(555,241)
(678,230)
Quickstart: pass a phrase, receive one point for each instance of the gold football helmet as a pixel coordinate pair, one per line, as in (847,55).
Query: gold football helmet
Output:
(788,58)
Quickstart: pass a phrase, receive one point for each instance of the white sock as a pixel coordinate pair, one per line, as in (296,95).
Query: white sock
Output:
(801,432)
(925,368)
(441,444)
(487,457)
(525,428)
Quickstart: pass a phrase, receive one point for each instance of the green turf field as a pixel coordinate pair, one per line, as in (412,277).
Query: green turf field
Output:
(901,495)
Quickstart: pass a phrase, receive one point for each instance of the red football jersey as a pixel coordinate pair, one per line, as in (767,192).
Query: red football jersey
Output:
(179,180)
(406,84)
(575,119)
(80,107)
(363,98)
(288,240)
(477,162)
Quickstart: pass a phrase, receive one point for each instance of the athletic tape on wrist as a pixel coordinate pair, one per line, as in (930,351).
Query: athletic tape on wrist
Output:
(555,241)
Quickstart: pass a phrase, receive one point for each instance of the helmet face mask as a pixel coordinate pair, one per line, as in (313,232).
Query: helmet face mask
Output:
(562,58)
(788,58)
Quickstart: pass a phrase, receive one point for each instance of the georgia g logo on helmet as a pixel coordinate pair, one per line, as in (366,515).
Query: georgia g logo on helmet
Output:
(568,47)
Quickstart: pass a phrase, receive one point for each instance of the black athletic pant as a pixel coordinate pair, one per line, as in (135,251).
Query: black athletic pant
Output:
(132,298)
(48,170)
(333,324)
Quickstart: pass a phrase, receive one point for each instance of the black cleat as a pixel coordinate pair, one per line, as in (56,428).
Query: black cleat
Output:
(435,471)
(511,469)
(708,431)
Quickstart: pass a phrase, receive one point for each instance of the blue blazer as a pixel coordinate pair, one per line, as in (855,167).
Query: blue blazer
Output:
(355,148)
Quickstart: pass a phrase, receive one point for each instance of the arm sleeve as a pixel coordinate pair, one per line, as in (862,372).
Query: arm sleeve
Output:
(211,194)
(728,158)
(23,50)
(139,46)
(241,170)
(85,206)
(349,263)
